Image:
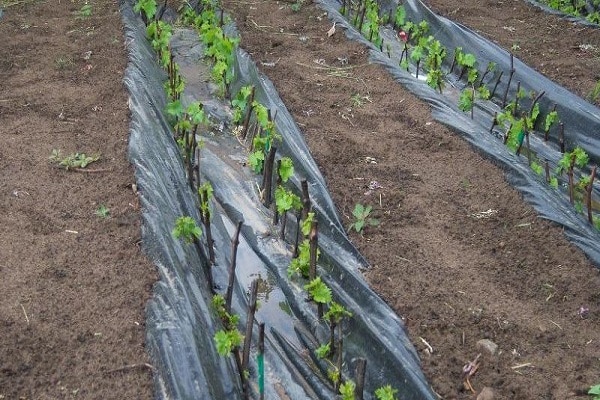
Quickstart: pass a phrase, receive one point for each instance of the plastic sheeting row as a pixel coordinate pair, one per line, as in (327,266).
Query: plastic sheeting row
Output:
(581,119)
(180,323)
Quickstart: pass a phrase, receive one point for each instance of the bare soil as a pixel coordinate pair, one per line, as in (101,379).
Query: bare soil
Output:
(74,284)
(454,278)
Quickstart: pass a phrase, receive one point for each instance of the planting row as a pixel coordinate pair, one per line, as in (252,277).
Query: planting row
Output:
(514,105)
(256,125)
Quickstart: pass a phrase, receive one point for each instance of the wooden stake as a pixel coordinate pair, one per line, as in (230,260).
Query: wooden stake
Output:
(313,238)
(249,326)
(340,360)
(234,245)
(298,233)
(589,195)
(514,113)
(494,122)
(267,183)
(496,84)
(305,199)
(206,219)
(512,72)
(360,372)
(537,98)
(561,137)
(277,184)
(248,113)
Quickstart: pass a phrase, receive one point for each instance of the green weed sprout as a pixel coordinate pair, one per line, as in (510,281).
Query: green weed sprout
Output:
(362,218)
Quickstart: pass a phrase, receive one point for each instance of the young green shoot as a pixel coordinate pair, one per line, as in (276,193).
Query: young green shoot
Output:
(186,228)
(386,393)
(319,292)
(85,11)
(227,340)
(595,392)
(301,265)
(347,390)
(323,350)
(286,169)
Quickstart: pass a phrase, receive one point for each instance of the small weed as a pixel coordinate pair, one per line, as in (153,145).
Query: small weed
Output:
(595,93)
(297,5)
(595,392)
(73,160)
(102,211)
(362,218)
(85,11)
(63,62)
(358,100)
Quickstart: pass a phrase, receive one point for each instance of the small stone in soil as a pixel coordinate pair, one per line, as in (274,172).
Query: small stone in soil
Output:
(487,346)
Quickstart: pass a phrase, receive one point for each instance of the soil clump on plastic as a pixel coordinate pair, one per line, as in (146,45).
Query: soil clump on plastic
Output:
(74,281)
(458,254)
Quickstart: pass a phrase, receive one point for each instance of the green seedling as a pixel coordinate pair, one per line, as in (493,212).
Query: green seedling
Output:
(286,169)
(595,93)
(359,100)
(301,265)
(63,62)
(576,158)
(102,211)
(318,291)
(73,160)
(386,393)
(147,7)
(186,228)
(551,119)
(286,200)
(323,350)
(595,392)
(400,16)
(297,5)
(334,375)
(240,104)
(227,340)
(347,390)
(85,11)
(256,161)
(362,218)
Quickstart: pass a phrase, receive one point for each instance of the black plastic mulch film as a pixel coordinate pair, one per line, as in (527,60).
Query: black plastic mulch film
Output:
(181,322)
